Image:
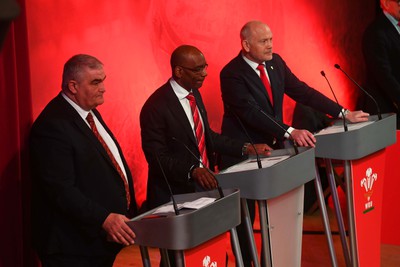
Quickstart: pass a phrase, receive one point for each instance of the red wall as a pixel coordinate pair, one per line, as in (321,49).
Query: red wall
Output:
(134,39)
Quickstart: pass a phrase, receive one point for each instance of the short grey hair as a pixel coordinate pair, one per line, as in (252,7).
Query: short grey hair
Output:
(75,65)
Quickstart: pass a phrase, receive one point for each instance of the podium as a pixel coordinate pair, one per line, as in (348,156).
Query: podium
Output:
(190,229)
(278,187)
(361,149)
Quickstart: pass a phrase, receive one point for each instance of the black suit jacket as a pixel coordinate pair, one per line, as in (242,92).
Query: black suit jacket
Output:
(162,118)
(75,185)
(241,84)
(381,49)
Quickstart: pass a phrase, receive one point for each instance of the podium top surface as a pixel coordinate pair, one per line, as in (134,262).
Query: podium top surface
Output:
(191,227)
(359,141)
(272,180)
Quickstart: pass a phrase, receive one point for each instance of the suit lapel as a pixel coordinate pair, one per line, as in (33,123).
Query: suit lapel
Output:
(177,111)
(86,131)
(104,153)
(203,113)
(253,78)
(76,119)
(274,81)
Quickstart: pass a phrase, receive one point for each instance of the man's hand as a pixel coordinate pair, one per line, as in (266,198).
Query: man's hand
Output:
(262,150)
(205,178)
(303,138)
(117,230)
(357,116)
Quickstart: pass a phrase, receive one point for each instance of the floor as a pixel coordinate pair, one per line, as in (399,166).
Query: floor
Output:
(314,248)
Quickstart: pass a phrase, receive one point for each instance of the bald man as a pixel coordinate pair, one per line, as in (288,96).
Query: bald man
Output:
(245,92)
(167,126)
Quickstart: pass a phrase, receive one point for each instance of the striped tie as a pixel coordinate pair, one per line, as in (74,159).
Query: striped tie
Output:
(92,124)
(198,127)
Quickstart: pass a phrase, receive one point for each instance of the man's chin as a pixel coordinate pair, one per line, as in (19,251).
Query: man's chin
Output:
(268,57)
(100,102)
(199,84)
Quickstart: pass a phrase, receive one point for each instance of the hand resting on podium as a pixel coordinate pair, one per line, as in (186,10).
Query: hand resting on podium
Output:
(206,178)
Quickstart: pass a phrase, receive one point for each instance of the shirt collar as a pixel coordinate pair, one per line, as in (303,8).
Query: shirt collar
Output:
(83,113)
(179,91)
(252,64)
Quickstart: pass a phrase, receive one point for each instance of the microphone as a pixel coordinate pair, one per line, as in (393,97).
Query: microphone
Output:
(255,105)
(221,194)
(343,116)
(247,135)
(169,187)
(362,89)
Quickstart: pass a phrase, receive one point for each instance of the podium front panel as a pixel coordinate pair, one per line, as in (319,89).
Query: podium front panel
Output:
(390,218)
(368,175)
(285,219)
(191,227)
(357,143)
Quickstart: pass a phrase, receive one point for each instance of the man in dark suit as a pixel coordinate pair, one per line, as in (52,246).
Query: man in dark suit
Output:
(245,93)
(381,49)
(82,187)
(170,134)
(167,126)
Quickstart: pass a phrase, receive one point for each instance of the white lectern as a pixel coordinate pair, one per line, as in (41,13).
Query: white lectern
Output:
(278,190)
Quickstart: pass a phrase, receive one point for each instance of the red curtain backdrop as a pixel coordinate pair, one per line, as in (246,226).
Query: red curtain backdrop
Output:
(134,39)
(15,122)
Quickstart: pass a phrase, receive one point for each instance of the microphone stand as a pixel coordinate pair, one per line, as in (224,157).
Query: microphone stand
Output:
(337,102)
(255,105)
(247,134)
(362,89)
(169,187)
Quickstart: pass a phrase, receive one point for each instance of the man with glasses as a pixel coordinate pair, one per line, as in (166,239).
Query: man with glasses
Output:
(381,49)
(174,126)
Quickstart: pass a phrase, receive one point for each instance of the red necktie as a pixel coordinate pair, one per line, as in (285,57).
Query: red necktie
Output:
(198,128)
(265,81)
(90,120)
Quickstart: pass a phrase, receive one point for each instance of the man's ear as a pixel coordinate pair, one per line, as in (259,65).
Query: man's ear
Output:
(72,86)
(178,71)
(246,45)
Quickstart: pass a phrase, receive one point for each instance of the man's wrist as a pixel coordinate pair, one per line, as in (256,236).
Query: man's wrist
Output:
(288,132)
(344,113)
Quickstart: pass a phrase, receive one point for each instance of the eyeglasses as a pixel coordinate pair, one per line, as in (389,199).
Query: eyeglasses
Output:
(196,70)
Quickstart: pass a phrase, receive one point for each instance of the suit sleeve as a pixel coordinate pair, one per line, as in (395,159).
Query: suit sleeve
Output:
(300,92)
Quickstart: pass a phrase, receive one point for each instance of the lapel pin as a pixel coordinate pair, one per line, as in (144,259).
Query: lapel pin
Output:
(272,67)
